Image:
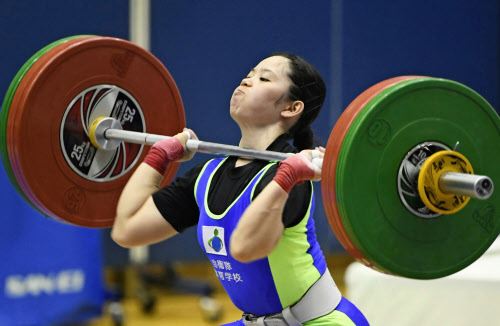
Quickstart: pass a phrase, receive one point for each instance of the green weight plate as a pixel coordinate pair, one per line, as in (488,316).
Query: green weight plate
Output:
(4,113)
(382,228)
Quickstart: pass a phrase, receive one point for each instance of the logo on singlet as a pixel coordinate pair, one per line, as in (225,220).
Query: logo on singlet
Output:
(213,240)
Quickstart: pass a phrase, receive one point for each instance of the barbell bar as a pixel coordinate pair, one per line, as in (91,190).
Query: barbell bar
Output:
(106,133)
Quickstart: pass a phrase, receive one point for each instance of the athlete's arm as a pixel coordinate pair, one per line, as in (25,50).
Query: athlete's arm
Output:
(261,227)
(138,221)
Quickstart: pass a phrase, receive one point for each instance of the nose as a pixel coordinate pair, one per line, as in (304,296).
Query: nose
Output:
(246,82)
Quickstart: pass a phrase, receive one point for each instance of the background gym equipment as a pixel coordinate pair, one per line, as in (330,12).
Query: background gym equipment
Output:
(371,186)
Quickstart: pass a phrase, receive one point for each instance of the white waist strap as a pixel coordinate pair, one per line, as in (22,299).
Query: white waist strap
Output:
(321,298)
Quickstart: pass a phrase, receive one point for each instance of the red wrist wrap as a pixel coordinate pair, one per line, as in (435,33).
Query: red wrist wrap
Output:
(163,153)
(293,170)
(284,177)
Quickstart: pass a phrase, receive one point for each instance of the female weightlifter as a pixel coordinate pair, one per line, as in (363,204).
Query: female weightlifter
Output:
(254,218)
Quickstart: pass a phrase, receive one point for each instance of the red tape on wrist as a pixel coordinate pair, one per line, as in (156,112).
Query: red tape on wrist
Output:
(163,153)
(284,177)
(294,170)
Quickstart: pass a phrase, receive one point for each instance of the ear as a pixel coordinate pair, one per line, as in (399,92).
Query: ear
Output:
(293,110)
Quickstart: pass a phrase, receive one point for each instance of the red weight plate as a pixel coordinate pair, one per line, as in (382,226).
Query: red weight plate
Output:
(72,180)
(14,115)
(334,144)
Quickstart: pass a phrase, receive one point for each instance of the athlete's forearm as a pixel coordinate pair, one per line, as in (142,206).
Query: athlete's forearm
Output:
(260,228)
(147,178)
(142,184)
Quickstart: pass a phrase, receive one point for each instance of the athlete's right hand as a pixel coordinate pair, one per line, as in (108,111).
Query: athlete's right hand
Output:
(169,150)
(183,137)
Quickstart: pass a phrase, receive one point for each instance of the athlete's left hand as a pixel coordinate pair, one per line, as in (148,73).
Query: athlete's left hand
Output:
(314,161)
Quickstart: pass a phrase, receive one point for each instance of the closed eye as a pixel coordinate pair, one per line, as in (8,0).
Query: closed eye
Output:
(264,79)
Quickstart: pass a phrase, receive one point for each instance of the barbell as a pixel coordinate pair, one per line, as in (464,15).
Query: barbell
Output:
(395,188)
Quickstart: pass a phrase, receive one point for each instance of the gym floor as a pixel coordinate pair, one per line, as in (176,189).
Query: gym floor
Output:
(184,309)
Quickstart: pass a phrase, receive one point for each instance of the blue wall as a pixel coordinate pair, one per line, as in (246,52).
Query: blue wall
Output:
(209,46)
(455,39)
(27,26)
(51,273)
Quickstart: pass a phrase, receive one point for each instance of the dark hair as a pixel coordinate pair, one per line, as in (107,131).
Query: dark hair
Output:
(307,86)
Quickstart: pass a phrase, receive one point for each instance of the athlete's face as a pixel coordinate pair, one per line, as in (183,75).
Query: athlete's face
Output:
(262,95)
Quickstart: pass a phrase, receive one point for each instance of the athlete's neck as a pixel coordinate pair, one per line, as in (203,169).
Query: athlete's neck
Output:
(258,139)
